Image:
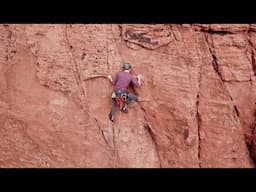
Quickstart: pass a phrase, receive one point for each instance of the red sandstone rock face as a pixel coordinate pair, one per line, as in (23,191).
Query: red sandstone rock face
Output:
(196,107)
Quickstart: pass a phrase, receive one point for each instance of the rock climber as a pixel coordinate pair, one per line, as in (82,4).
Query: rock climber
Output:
(121,82)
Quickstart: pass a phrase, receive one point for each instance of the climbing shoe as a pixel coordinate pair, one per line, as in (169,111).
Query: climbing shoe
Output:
(124,110)
(111,118)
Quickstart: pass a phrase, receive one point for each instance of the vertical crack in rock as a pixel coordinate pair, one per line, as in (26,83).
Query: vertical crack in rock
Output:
(102,133)
(216,68)
(198,117)
(236,111)
(252,51)
(253,62)
(121,32)
(250,146)
(115,153)
(112,126)
(150,131)
(76,72)
(85,105)
(173,33)
(113,148)
(214,59)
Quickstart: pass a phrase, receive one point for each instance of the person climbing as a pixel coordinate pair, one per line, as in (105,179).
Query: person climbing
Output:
(121,82)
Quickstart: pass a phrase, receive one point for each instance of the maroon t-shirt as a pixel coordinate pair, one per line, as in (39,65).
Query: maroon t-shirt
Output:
(123,79)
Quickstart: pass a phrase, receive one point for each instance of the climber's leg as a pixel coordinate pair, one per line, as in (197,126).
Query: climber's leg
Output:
(113,110)
(131,98)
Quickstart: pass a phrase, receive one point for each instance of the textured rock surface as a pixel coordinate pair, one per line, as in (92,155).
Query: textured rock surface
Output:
(196,106)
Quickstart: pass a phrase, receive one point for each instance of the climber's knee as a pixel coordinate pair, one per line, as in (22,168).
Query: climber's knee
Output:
(131,98)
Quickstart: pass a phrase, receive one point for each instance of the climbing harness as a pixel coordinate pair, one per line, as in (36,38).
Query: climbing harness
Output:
(121,101)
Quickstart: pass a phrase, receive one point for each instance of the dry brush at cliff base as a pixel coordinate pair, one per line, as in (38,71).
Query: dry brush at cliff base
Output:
(196,106)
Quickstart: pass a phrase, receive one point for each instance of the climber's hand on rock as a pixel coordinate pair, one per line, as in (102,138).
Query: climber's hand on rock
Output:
(110,78)
(139,79)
